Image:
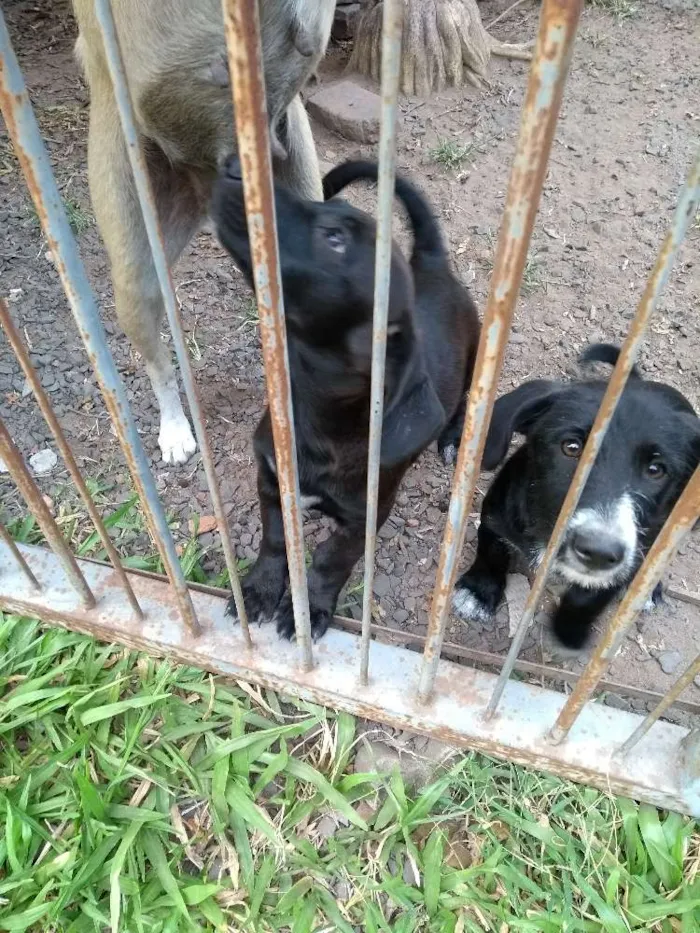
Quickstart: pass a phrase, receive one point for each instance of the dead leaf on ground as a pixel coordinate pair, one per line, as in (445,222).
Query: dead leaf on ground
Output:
(206,523)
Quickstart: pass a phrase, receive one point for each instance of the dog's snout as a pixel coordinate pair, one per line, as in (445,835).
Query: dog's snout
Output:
(596,550)
(232,168)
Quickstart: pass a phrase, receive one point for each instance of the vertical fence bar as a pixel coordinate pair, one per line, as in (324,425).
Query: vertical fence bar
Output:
(681,520)
(558,22)
(669,698)
(392,24)
(67,454)
(115,63)
(242,23)
(40,510)
(685,211)
(33,158)
(17,554)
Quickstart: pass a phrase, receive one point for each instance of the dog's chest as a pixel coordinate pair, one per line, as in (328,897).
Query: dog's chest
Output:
(320,489)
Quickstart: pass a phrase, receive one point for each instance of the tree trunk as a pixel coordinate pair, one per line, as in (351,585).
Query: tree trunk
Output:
(444,45)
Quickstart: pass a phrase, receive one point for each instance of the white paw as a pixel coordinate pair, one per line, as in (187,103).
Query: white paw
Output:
(176,441)
(468,606)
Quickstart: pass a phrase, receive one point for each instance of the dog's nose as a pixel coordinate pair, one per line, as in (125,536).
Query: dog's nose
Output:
(597,551)
(232,168)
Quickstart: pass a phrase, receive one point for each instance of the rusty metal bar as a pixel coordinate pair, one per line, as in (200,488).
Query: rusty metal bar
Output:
(242,25)
(47,411)
(19,557)
(517,734)
(681,520)
(33,158)
(115,64)
(40,510)
(558,22)
(685,211)
(669,698)
(392,25)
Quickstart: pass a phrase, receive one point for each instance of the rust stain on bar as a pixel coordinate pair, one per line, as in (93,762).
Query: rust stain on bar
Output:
(67,454)
(681,520)
(19,557)
(685,209)
(558,22)
(39,509)
(241,20)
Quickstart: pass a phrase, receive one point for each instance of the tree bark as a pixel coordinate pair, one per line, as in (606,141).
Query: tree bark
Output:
(444,45)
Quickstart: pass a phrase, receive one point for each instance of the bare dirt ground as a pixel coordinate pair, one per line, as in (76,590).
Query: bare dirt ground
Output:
(629,124)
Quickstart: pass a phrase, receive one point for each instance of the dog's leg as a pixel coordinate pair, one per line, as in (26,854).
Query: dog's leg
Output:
(331,567)
(577,612)
(264,584)
(448,442)
(480,590)
(300,171)
(137,296)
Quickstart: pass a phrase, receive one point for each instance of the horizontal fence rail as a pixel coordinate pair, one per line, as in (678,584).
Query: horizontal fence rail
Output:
(494,713)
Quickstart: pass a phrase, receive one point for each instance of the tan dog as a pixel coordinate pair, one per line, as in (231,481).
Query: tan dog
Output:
(176,62)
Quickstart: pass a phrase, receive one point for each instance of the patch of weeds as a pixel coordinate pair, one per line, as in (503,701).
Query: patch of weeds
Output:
(126,525)
(452,154)
(8,160)
(250,317)
(533,275)
(78,218)
(620,10)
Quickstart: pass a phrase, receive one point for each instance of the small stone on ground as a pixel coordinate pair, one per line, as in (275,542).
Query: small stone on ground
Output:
(348,110)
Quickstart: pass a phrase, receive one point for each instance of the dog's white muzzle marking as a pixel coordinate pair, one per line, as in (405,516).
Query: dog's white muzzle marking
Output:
(617,522)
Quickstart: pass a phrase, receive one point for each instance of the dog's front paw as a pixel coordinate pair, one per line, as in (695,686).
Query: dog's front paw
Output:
(261,599)
(284,619)
(176,441)
(655,600)
(474,600)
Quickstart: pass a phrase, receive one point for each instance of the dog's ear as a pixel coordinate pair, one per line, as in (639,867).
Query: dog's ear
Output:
(691,426)
(515,413)
(414,418)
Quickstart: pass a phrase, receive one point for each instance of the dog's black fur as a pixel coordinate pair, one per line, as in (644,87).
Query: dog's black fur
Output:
(648,455)
(327,263)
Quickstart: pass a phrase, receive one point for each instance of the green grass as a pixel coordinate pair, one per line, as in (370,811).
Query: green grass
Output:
(452,154)
(156,798)
(141,797)
(621,10)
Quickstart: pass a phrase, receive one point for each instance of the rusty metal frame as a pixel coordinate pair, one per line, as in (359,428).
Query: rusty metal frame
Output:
(517,733)
(572,736)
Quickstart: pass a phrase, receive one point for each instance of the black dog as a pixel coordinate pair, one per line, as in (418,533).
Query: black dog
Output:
(327,263)
(648,455)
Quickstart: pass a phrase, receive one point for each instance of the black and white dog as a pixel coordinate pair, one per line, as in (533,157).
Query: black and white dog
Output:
(648,455)
(327,262)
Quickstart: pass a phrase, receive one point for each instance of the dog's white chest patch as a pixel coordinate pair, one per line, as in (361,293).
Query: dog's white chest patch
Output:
(306,502)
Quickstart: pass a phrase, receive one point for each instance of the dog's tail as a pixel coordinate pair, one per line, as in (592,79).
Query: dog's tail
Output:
(605,353)
(427,238)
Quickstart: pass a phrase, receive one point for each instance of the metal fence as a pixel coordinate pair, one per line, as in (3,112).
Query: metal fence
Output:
(502,716)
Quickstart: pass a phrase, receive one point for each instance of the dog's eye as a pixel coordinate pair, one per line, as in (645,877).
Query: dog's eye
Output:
(656,469)
(572,446)
(336,240)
